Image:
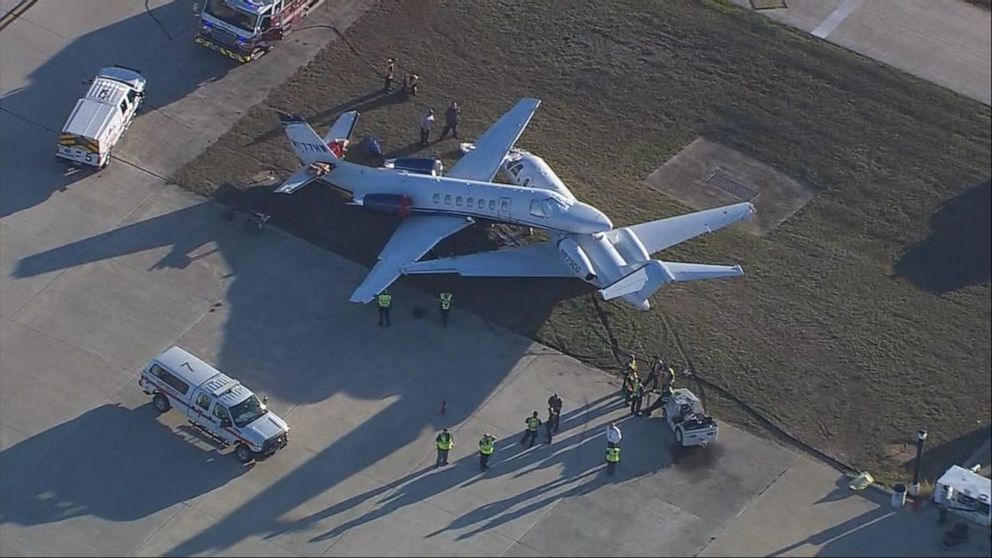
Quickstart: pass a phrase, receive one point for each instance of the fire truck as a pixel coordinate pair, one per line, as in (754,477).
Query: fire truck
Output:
(247,29)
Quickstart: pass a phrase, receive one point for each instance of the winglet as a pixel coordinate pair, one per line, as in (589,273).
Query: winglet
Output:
(286,119)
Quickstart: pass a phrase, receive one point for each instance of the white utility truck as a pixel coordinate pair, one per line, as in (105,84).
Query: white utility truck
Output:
(213,402)
(100,118)
(687,419)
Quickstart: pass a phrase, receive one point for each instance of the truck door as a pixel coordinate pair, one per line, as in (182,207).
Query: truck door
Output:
(222,423)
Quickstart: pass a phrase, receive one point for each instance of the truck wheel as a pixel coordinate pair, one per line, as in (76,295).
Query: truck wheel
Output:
(678,435)
(161,403)
(244,453)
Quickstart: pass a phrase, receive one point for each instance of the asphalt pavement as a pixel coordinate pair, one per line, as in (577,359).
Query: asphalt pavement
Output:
(101,271)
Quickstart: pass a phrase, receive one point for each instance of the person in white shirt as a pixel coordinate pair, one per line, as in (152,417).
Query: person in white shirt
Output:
(613,435)
(426,121)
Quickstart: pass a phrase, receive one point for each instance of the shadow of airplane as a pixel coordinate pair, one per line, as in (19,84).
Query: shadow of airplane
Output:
(316,346)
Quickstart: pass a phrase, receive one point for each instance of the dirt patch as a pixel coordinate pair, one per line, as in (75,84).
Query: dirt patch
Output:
(820,334)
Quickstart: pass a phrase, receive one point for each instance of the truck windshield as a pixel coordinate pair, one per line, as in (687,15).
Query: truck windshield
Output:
(223,11)
(248,411)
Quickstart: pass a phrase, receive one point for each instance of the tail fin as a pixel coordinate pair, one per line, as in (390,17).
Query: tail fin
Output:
(309,147)
(342,129)
(653,275)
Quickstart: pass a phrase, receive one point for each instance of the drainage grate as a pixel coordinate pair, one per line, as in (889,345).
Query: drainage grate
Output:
(726,182)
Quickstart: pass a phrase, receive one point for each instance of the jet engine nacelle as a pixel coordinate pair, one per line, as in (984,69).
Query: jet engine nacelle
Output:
(421,165)
(630,248)
(390,204)
(576,259)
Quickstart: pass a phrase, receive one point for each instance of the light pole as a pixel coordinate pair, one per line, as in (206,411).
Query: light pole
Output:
(921,438)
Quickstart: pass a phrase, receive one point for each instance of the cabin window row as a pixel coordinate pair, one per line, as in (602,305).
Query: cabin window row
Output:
(468,202)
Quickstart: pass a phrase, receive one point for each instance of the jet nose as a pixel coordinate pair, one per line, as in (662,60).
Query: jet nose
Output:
(589,219)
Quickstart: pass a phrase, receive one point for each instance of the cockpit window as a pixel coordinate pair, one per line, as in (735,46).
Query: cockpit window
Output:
(536,208)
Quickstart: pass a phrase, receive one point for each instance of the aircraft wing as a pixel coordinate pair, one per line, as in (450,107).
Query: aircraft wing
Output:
(343,127)
(538,260)
(482,162)
(415,236)
(664,233)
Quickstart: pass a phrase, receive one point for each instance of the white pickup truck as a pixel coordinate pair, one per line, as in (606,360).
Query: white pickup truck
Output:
(687,419)
(213,402)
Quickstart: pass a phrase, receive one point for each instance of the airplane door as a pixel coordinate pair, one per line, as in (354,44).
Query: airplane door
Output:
(504,209)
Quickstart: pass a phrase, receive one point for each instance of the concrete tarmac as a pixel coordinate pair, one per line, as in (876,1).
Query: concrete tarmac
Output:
(102,271)
(948,42)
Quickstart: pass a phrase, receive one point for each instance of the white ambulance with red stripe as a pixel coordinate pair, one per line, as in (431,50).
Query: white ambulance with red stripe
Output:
(215,403)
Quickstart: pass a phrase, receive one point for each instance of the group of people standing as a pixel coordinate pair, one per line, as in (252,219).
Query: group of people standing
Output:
(660,380)
(452,116)
(384,301)
(661,375)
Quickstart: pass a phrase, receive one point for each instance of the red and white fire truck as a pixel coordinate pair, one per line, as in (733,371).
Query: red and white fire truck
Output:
(246,29)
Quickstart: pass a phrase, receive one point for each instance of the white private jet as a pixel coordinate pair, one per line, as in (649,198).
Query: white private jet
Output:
(583,242)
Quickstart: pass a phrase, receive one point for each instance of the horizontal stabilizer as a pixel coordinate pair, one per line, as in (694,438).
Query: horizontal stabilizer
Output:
(653,275)
(298,180)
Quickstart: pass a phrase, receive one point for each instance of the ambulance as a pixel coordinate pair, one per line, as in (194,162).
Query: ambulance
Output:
(100,118)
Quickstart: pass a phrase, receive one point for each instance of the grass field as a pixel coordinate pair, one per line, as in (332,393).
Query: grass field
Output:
(863,317)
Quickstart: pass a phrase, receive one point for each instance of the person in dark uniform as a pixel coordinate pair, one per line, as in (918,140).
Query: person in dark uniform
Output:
(554,410)
(452,117)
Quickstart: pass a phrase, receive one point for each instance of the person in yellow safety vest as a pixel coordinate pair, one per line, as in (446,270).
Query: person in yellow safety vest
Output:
(612,458)
(445,441)
(636,398)
(533,423)
(629,376)
(487,445)
(383,301)
(445,307)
